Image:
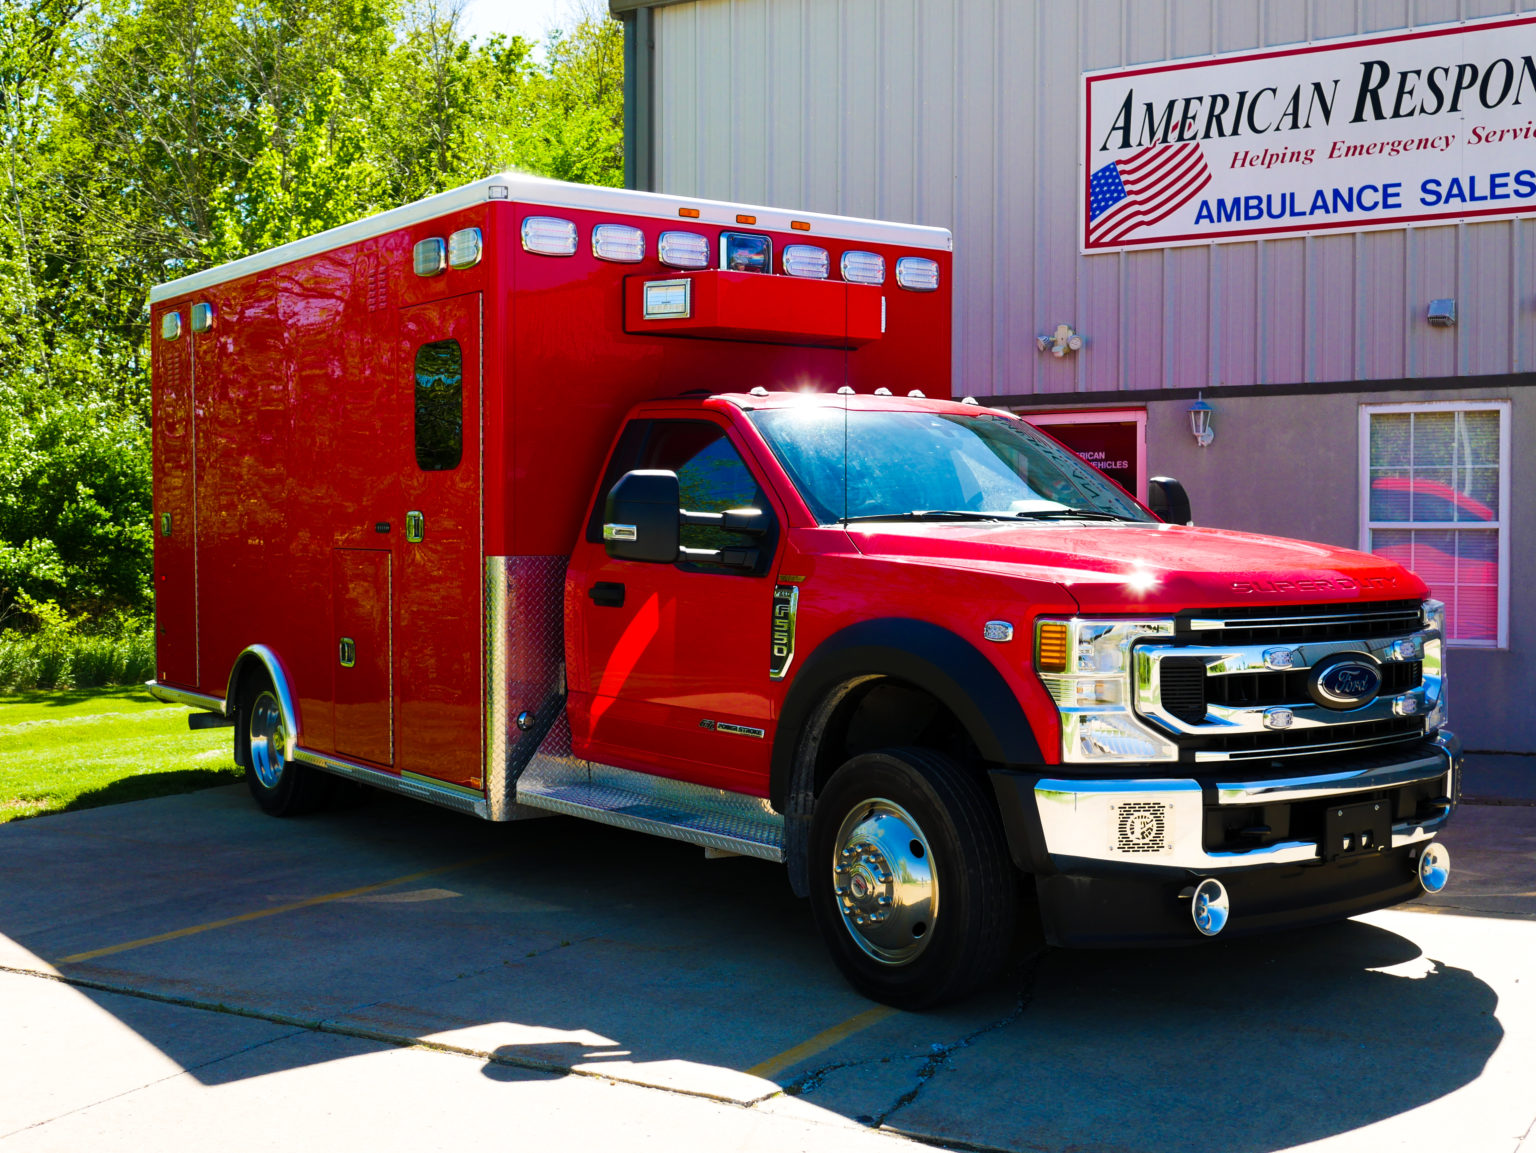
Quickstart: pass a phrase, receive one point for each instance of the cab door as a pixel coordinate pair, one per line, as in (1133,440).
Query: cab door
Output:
(438,585)
(673,675)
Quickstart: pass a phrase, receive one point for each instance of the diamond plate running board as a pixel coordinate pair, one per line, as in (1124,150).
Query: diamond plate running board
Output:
(713,818)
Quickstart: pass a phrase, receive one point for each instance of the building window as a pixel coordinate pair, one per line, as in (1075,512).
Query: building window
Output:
(1434,500)
(439,406)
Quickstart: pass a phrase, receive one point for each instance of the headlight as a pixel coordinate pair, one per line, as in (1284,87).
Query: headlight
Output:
(1434,665)
(1086,667)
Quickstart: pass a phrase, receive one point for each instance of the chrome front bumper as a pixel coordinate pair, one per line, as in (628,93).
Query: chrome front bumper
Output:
(1159,823)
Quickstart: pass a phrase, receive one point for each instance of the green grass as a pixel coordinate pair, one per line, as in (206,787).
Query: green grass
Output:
(79,748)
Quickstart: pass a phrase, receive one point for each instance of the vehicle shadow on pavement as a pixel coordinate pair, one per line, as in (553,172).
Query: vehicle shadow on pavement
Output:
(561,946)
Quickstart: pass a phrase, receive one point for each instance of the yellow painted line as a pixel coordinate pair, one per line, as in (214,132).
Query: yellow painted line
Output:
(307,902)
(822,1041)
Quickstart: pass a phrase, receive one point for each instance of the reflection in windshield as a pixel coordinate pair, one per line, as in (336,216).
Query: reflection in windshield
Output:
(942,465)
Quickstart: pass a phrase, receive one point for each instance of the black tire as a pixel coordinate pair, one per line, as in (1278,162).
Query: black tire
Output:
(961,925)
(281,787)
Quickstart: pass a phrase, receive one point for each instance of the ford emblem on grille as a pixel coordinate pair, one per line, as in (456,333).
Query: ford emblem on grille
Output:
(1346,681)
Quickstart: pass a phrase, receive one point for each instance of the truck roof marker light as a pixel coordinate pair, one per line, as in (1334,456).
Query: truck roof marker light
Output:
(918,394)
(800,225)
(683,250)
(917,274)
(845,390)
(549,235)
(690,213)
(1051,646)
(758,390)
(970,400)
(170,326)
(807,260)
(430,256)
(620,243)
(743,218)
(465,248)
(863,267)
(882,392)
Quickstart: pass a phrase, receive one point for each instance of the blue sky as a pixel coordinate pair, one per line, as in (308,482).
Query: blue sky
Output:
(529,18)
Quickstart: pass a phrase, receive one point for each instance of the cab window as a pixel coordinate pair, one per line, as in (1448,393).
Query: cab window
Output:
(711,477)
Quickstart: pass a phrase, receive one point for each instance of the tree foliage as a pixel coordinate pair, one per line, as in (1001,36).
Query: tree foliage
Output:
(147,139)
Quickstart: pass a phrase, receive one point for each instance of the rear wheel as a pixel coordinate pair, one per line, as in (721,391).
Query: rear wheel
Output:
(911,883)
(280,786)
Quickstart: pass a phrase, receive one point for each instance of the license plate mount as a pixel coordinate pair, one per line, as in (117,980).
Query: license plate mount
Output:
(1357,830)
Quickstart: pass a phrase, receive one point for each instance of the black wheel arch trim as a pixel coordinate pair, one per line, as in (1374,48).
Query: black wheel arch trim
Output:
(917,652)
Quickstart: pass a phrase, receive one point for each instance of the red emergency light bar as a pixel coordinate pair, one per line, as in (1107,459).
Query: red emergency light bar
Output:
(750,306)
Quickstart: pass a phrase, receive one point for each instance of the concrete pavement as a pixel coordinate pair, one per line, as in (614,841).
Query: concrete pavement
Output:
(187,971)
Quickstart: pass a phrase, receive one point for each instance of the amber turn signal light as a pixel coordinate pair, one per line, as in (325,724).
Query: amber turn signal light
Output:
(1051,646)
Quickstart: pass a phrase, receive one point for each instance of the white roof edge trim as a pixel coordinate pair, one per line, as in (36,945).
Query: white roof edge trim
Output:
(535,190)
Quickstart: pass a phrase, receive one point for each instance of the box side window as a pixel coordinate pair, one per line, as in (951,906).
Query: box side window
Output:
(439,406)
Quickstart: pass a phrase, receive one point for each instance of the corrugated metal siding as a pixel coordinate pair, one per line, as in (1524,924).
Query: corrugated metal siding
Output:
(964,114)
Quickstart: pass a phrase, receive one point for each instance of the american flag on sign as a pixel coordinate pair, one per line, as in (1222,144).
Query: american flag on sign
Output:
(1142,189)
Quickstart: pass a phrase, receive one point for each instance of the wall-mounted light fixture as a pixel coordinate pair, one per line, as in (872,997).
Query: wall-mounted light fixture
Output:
(1442,313)
(1060,342)
(1200,421)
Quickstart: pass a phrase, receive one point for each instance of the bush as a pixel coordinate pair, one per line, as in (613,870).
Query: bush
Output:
(57,654)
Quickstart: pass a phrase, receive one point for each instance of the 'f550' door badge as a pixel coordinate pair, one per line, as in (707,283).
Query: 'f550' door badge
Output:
(786,602)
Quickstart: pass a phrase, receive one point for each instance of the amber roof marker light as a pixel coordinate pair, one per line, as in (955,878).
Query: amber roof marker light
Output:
(690,213)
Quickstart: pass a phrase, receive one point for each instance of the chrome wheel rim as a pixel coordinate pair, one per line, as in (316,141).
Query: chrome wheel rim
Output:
(884,882)
(269,740)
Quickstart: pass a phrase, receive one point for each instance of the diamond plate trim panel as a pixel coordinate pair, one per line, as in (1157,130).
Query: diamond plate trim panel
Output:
(524,656)
(713,818)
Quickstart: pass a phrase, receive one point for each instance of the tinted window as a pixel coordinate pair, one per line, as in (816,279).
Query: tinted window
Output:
(711,477)
(439,406)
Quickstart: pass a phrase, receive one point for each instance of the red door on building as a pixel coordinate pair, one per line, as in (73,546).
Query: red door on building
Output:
(438,583)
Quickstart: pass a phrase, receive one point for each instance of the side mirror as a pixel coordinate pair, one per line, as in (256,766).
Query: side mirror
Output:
(1167,498)
(640,519)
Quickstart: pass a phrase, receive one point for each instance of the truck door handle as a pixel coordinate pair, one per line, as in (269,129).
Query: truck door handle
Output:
(609,594)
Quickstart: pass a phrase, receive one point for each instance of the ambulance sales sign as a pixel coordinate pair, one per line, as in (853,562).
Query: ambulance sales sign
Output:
(1432,125)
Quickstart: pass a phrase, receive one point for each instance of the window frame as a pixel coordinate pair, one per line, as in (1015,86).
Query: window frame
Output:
(1500,526)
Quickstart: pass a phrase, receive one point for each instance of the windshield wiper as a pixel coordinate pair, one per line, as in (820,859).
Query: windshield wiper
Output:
(1067,514)
(930,514)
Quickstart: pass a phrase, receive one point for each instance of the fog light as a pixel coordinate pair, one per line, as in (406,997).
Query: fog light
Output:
(1434,867)
(1210,907)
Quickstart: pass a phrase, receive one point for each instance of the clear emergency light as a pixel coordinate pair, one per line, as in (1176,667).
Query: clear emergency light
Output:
(807,260)
(917,273)
(464,248)
(170,326)
(549,235)
(618,242)
(863,267)
(430,256)
(683,250)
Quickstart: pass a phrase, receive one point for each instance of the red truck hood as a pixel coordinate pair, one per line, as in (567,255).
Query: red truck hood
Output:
(1150,568)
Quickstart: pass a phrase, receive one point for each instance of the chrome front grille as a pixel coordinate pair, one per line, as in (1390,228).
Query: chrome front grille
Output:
(1238,684)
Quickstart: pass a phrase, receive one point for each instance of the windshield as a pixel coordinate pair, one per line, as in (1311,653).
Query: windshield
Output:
(928,465)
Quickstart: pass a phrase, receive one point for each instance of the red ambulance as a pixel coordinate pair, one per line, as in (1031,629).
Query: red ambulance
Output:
(533,497)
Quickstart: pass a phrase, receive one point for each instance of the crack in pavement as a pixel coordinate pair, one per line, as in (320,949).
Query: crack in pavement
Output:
(939,1054)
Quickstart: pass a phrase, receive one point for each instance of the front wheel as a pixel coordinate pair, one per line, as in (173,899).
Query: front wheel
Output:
(911,883)
(280,786)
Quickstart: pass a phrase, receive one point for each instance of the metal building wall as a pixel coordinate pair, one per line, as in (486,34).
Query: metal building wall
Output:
(964,113)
